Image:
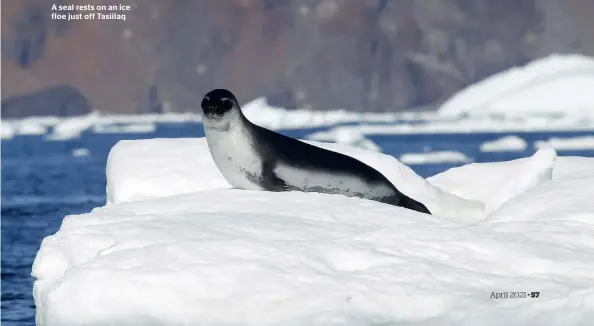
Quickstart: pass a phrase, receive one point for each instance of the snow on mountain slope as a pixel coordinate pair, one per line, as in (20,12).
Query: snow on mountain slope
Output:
(558,84)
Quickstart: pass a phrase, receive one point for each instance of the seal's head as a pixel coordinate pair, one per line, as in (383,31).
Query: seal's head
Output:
(218,103)
(221,110)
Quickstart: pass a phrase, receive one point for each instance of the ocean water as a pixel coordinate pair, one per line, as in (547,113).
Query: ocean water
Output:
(42,181)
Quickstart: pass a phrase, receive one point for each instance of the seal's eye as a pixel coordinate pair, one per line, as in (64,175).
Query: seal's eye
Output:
(226,103)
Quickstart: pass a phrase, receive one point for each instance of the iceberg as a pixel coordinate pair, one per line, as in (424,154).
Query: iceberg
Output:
(176,245)
(558,84)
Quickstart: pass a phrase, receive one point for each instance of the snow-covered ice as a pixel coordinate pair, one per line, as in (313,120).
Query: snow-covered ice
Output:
(176,166)
(434,157)
(140,170)
(504,144)
(23,127)
(165,253)
(572,143)
(261,113)
(557,84)
(31,129)
(69,128)
(499,181)
(257,110)
(568,165)
(7,132)
(346,137)
(73,127)
(130,128)
(464,125)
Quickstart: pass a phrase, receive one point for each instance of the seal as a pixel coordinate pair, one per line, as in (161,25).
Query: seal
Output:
(253,157)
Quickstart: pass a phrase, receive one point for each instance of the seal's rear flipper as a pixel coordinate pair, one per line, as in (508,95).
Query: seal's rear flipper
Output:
(410,203)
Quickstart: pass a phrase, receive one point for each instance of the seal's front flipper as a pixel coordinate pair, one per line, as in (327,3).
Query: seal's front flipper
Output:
(270,181)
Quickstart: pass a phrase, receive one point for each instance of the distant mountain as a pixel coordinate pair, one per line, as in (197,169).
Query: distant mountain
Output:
(61,101)
(372,55)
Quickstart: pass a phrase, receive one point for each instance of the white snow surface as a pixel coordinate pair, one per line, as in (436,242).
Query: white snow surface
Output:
(500,181)
(175,166)
(572,143)
(504,144)
(161,167)
(557,84)
(201,253)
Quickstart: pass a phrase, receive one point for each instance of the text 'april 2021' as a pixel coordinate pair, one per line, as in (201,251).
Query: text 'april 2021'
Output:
(514,295)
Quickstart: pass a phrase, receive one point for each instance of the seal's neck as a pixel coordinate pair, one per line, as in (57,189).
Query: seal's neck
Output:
(232,120)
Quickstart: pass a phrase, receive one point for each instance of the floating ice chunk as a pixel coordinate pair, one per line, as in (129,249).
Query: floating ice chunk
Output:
(573,143)
(72,127)
(434,157)
(31,129)
(346,136)
(81,152)
(7,131)
(223,256)
(261,113)
(130,128)
(504,144)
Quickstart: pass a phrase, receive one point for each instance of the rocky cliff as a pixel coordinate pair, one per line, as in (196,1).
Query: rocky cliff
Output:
(371,55)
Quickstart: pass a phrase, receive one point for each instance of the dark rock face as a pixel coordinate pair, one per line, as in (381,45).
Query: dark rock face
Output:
(60,101)
(375,55)
(30,37)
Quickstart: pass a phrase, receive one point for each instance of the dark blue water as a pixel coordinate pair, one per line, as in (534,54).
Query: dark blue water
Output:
(42,182)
